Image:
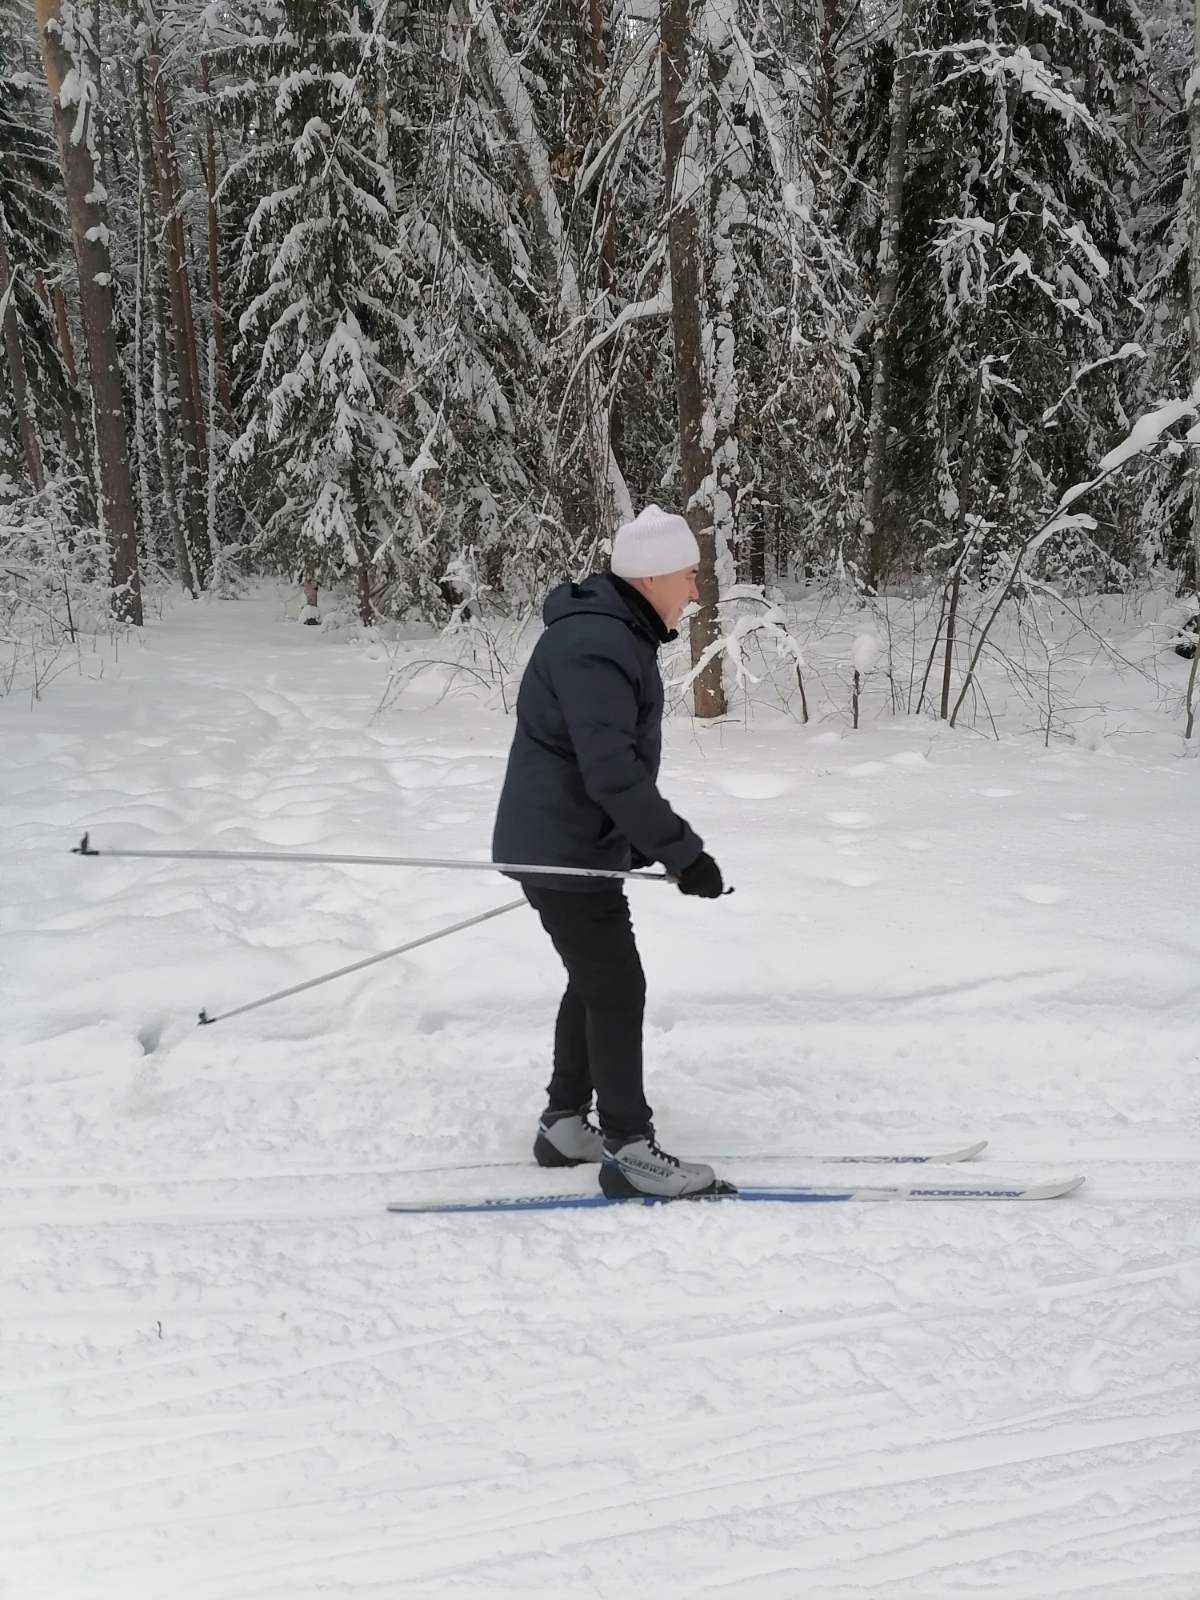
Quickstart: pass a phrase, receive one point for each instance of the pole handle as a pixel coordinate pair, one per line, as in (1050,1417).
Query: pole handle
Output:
(300,857)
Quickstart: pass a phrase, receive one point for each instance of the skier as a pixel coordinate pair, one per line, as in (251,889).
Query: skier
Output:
(580,791)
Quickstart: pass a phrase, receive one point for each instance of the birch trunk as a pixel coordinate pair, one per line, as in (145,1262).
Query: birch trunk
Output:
(727,161)
(66,35)
(686,197)
(501,78)
(608,250)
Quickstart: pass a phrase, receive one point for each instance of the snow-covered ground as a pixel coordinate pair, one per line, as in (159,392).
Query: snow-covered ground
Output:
(226,1372)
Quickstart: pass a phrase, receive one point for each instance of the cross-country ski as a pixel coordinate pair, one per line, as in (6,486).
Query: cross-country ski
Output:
(782,1194)
(949,1156)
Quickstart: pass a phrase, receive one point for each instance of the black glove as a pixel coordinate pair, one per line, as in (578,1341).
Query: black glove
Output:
(702,877)
(639,862)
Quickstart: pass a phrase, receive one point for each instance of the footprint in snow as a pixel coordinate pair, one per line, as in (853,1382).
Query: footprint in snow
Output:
(1041,894)
(866,769)
(851,819)
(1084,1374)
(855,880)
(756,785)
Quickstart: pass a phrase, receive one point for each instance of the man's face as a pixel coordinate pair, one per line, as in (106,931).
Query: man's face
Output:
(671,594)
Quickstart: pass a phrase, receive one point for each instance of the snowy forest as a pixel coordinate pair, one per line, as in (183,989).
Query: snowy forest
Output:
(416,300)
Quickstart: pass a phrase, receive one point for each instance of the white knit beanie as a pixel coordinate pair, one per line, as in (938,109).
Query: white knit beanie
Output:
(654,543)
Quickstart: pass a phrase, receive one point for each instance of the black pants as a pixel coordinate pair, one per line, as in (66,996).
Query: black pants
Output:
(598,1037)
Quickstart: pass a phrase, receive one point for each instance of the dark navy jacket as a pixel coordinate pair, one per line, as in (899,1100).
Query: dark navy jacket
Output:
(580,790)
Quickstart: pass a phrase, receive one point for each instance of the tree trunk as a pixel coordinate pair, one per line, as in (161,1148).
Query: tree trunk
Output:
(608,250)
(164,440)
(874,539)
(966,505)
(26,421)
(75,417)
(191,426)
(686,199)
(70,56)
(214,247)
(968,476)
(505,90)
(362,563)
(1194,324)
(828,29)
(139,387)
(1194,282)
(756,552)
(72,413)
(192,275)
(62,322)
(727,161)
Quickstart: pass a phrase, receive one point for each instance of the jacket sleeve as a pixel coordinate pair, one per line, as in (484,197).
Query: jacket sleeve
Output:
(598,697)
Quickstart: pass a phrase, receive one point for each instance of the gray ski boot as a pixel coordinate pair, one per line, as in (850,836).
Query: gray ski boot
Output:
(567,1139)
(637,1168)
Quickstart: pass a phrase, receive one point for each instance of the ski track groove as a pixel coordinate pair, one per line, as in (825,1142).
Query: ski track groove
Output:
(812,1330)
(625,1518)
(933,1565)
(914,1466)
(766,1338)
(738,1434)
(243,1380)
(849,1483)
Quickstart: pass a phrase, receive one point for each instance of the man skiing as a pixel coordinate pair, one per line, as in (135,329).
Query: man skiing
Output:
(581,791)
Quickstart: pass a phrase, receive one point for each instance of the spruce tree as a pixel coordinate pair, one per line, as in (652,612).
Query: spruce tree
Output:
(1017,283)
(321,302)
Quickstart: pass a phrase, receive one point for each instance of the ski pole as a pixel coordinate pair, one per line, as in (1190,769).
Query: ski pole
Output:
(85,849)
(357,966)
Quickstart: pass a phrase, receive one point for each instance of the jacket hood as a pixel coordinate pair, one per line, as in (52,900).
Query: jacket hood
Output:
(593,596)
(597,595)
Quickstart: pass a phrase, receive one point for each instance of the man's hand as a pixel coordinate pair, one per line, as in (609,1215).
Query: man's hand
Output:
(702,877)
